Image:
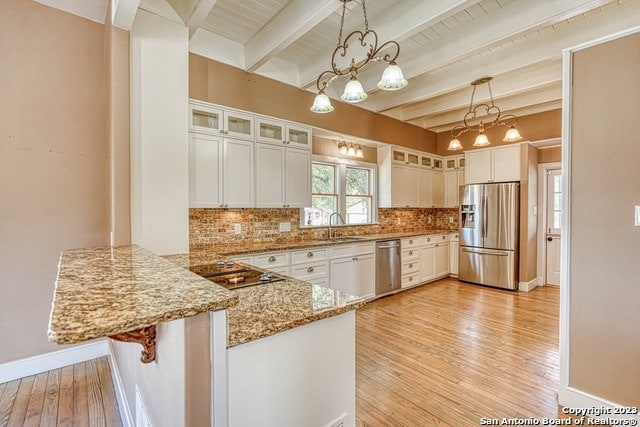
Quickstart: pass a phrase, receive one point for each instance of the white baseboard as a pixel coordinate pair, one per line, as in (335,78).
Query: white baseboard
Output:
(121,397)
(572,398)
(54,360)
(528,286)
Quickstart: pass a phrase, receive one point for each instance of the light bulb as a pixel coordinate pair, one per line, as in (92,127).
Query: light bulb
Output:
(481,140)
(351,151)
(512,135)
(392,78)
(359,152)
(342,147)
(454,145)
(353,92)
(321,103)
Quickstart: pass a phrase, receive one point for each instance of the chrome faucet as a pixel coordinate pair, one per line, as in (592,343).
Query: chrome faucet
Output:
(332,232)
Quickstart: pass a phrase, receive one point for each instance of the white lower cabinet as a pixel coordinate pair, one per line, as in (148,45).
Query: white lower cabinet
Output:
(453,255)
(441,259)
(427,262)
(352,269)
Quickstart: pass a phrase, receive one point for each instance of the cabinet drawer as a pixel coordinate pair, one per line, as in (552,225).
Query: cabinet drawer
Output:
(312,270)
(439,238)
(409,280)
(286,270)
(431,239)
(274,259)
(410,242)
(340,251)
(410,254)
(410,267)
(455,237)
(365,248)
(309,255)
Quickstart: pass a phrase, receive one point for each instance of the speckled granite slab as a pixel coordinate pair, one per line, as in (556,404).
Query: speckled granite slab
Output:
(109,290)
(267,309)
(204,253)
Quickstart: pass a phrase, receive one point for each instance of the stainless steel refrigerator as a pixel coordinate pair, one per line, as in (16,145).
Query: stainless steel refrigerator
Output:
(489,227)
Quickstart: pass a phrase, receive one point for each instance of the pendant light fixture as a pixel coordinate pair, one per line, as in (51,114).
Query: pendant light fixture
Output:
(367,43)
(491,109)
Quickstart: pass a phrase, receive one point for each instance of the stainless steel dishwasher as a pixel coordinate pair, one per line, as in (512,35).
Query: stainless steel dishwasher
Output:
(387,266)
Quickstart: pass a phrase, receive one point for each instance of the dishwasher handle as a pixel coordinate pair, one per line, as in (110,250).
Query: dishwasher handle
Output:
(388,246)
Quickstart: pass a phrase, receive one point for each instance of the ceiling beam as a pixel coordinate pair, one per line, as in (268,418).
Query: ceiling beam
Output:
(123,12)
(287,26)
(504,85)
(514,20)
(535,49)
(507,105)
(401,21)
(200,11)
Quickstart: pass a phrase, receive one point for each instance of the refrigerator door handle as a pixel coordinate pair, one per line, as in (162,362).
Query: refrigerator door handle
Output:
(485,252)
(484,219)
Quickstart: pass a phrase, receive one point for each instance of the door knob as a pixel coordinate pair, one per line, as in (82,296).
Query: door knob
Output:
(549,239)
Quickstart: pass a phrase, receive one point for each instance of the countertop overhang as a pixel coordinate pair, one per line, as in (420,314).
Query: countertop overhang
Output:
(108,291)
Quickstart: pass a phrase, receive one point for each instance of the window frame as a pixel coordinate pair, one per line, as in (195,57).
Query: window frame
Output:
(341,166)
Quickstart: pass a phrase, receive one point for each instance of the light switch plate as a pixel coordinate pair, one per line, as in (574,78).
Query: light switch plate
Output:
(237,228)
(637,216)
(285,226)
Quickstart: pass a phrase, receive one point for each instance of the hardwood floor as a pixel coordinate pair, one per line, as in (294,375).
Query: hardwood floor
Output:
(451,353)
(77,395)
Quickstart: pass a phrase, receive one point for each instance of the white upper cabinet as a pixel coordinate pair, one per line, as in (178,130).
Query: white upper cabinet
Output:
(218,121)
(220,172)
(454,167)
(283,177)
(500,164)
(283,133)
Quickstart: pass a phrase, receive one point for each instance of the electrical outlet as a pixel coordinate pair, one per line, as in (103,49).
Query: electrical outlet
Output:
(637,217)
(429,219)
(285,226)
(450,219)
(237,228)
(399,222)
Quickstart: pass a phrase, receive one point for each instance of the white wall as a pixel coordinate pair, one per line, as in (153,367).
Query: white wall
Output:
(159,199)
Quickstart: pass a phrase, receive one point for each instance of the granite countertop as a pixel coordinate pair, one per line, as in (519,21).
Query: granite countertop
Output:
(203,253)
(110,290)
(269,308)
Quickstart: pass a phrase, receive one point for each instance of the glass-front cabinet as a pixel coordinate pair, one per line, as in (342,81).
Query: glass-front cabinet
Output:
(216,121)
(405,157)
(454,162)
(431,162)
(280,132)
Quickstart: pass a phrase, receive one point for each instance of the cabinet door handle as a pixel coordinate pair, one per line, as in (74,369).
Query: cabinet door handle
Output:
(410,242)
(272,259)
(222,131)
(310,270)
(411,278)
(410,252)
(221,205)
(309,254)
(354,259)
(410,265)
(428,239)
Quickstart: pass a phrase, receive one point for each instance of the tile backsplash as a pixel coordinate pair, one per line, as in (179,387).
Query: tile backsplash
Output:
(215,226)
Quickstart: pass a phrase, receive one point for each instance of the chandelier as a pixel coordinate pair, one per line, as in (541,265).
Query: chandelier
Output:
(392,78)
(510,120)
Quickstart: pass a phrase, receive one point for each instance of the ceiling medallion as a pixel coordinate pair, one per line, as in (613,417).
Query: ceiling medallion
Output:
(392,77)
(491,109)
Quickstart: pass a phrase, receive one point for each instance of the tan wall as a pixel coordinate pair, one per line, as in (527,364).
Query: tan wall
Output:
(534,127)
(329,147)
(53,161)
(225,85)
(550,155)
(604,316)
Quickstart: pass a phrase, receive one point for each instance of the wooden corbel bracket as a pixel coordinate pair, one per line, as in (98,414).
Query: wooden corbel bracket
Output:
(143,336)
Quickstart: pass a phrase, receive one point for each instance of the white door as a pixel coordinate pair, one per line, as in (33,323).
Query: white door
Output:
(450,188)
(205,171)
(478,166)
(424,187)
(399,193)
(238,173)
(427,263)
(365,275)
(270,176)
(298,178)
(437,189)
(412,184)
(441,259)
(554,223)
(343,275)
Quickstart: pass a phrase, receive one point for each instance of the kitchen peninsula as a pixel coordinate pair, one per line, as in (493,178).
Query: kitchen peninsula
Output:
(112,291)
